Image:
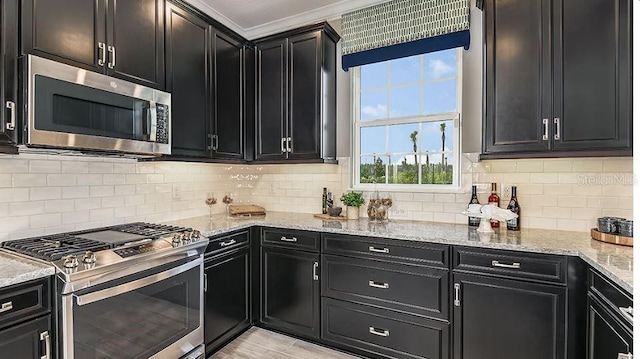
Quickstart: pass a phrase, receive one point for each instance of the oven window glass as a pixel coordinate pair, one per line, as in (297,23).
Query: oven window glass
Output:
(71,108)
(139,323)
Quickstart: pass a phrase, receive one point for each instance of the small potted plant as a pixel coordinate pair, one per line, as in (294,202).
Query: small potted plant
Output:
(353,201)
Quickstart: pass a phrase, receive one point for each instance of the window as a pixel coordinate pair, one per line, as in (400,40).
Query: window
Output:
(406,128)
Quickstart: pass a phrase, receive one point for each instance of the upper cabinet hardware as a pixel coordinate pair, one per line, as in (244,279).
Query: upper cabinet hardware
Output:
(545,123)
(112,61)
(556,122)
(11,125)
(102,54)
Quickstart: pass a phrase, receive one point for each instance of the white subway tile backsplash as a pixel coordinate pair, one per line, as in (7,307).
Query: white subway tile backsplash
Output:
(59,180)
(75,192)
(101,191)
(59,206)
(45,220)
(26,208)
(44,193)
(44,166)
(29,180)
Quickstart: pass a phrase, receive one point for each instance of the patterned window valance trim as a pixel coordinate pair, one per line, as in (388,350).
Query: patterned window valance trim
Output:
(402,21)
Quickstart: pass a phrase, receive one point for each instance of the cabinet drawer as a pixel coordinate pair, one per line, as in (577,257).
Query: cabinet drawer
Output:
(382,333)
(616,298)
(396,250)
(543,267)
(291,239)
(408,288)
(24,301)
(219,244)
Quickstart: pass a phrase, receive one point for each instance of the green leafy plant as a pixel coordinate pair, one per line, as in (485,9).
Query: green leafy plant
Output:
(352,199)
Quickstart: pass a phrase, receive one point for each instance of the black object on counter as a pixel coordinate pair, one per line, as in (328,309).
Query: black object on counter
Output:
(609,224)
(625,228)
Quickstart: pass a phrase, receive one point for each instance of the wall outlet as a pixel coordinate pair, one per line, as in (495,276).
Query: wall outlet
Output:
(505,191)
(399,212)
(272,188)
(176,194)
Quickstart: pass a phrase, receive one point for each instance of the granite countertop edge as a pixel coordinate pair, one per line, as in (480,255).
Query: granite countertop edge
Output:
(16,269)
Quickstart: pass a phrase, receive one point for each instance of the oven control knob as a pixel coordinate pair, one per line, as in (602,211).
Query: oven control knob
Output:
(195,235)
(186,237)
(70,261)
(89,257)
(177,240)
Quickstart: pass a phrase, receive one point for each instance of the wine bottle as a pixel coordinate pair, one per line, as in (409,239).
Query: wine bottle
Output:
(514,224)
(324,200)
(494,199)
(474,221)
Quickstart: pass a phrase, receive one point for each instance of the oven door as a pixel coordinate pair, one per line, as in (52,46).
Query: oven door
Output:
(155,314)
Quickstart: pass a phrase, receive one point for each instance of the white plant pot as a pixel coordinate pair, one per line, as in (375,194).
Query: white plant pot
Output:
(353,212)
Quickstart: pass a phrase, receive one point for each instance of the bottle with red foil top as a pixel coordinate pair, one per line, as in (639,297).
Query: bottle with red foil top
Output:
(494,199)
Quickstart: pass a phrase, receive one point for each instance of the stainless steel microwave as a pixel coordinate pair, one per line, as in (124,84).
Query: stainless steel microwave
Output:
(74,109)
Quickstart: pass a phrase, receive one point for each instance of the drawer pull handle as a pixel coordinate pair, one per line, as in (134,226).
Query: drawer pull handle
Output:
(315,271)
(376,331)
(378,250)
(514,265)
(456,299)
(627,313)
(228,243)
(625,356)
(378,285)
(292,239)
(6,307)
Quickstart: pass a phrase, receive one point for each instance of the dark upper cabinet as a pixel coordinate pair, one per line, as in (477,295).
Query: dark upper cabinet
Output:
(8,75)
(500,318)
(271,117)
(607,336)
(228,297)
(124,39)
(290,291)
(205,75)
(228,119)
(135,38)
(188,67)
(27,340)
(557,78)
(592,75)
(296,119)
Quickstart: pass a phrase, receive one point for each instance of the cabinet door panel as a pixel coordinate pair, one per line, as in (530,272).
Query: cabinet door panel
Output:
(8,68)
(228,114)
(65,30)
(228,297)
(305,59)
(505,318)
(23,341)
(136,30)
(592,74)
(607,336)
(290,295)
(272,100)
(188,38)
(518,75)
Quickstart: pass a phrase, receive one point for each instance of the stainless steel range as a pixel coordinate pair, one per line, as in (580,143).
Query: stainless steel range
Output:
(128,291)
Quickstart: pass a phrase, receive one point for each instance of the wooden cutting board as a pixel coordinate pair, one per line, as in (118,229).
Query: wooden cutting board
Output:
(327,217)
(243,210)
(611,238)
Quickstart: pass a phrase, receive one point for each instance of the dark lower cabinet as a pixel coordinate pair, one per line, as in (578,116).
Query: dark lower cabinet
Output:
(381,333)
(228,297)
(501,318)
(27,340)
(608,336)
(290,291)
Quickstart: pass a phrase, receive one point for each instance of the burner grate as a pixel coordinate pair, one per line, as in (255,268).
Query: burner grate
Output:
(52,248)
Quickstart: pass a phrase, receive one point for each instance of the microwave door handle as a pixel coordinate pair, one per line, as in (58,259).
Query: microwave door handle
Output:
(153,114)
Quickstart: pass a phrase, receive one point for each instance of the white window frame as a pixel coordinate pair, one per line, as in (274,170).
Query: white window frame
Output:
(357,125)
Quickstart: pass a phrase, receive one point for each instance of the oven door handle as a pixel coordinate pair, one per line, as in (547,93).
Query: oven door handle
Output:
(133,285)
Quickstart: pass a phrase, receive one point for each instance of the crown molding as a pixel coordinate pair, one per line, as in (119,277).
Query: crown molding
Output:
(218,16)
(324,13)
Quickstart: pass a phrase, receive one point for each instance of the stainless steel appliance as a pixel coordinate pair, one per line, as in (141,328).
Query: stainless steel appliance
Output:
(129,291)
(72,108)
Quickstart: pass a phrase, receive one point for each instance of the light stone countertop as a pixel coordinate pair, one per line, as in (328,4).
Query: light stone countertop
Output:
(616,262)
(16,269)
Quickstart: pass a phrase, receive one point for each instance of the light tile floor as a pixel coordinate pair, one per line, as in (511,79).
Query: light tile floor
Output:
(258,343)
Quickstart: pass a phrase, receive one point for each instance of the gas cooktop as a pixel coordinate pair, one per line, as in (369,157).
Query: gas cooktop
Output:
(55,247)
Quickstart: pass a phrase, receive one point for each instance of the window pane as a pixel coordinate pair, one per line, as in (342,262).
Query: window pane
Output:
(403,169)
(434,171)
(404,138)
(372,169)
(373,75)
(432,136)
(373,140)
(405,70)
(373,105)
(405,101)
(441,64)
(440,97)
